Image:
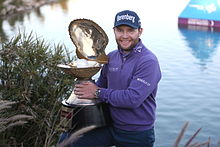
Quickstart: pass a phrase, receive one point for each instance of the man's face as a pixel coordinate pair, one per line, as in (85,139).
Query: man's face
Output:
(127,37)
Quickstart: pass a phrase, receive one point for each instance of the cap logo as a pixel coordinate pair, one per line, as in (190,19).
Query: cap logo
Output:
(127,17)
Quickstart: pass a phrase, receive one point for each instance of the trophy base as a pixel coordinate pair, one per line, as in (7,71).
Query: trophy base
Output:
(75,117)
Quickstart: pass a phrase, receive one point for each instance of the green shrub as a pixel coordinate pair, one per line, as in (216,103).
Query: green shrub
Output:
(30,77)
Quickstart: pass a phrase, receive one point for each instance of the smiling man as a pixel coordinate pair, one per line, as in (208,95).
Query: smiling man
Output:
(128,84)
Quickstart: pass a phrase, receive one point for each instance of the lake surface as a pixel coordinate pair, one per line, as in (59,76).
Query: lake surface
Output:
(189,58)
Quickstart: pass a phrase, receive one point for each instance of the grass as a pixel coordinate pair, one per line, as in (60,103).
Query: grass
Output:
(190,142)
(8,120)
(31,81)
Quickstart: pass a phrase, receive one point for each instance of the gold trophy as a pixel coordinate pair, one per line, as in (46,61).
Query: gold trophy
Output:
(90,41)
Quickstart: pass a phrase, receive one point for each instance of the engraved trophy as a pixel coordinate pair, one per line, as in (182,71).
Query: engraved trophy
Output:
(90,41)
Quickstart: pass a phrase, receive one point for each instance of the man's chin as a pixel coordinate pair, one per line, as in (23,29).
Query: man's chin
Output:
(126,49)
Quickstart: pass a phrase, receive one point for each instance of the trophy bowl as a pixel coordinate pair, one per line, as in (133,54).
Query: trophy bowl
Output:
(85,73)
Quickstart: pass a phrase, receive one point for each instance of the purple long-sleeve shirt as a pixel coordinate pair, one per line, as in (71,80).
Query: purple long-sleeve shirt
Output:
(129,85)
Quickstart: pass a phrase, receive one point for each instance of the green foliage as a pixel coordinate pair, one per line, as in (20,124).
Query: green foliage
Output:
(30,77)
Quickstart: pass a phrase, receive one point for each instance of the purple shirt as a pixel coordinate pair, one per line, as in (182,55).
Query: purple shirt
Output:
(129,85)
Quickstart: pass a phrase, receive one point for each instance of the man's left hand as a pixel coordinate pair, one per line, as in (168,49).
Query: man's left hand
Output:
(85,90)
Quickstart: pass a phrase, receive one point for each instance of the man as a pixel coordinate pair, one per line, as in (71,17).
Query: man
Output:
(128,83)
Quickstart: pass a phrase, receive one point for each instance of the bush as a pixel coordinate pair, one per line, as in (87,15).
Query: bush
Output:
(30,77)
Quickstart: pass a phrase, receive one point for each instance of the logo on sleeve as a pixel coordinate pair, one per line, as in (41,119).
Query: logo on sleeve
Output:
(143,81)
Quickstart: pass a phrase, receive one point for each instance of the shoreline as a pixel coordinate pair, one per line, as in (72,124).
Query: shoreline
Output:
(9,9)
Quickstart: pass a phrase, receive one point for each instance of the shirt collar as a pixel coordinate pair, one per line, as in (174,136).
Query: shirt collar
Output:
(138,48)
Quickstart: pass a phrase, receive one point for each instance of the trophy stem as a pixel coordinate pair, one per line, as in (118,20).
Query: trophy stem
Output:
(74,100)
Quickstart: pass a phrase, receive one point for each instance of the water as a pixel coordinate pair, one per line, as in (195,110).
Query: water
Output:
(189,59)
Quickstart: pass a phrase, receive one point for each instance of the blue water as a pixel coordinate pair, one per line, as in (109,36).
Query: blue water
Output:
(189,58)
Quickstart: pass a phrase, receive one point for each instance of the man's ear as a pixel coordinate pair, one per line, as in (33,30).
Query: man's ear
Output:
(140,31)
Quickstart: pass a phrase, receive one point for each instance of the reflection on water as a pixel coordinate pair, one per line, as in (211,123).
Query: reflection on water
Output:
(63,4)
(202,41)
(2,34)
(13,20)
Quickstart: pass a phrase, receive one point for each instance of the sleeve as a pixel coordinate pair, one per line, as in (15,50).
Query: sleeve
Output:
(144,82)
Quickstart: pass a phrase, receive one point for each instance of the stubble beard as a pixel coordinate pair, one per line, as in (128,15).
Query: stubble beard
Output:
(130,48)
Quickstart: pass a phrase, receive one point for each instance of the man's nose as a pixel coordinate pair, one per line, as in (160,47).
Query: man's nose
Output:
(125,34)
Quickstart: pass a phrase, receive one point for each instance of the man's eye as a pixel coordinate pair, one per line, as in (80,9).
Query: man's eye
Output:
(131,30)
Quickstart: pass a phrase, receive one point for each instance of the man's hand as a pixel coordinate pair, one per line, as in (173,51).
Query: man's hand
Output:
(85,90)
